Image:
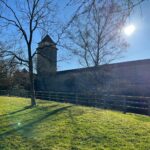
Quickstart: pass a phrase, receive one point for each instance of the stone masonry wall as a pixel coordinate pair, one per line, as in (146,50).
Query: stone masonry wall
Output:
(129,78)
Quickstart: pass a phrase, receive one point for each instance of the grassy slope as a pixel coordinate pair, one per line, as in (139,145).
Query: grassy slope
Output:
(58,126)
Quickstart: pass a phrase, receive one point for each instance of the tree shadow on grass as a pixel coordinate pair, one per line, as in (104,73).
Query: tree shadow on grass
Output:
(17,111)
(25,108)
(32,123)
(21,115)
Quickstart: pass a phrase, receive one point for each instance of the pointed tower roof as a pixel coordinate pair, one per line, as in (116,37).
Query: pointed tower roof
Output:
(47,38)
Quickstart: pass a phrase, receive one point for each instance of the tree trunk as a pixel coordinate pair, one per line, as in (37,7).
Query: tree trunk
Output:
(31,76)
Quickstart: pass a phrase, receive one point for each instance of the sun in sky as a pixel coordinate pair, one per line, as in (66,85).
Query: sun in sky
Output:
(129,29)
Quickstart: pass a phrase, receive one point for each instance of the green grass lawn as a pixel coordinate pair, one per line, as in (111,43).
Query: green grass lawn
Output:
(59,126)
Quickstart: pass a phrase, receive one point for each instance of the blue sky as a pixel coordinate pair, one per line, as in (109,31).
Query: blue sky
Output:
(139,41)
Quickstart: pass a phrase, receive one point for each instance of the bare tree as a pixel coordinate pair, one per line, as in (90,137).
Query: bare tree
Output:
(95,36)
(127,5)
(89,18)
(7,68)
(24,19)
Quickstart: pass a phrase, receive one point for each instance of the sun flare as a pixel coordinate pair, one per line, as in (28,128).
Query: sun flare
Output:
(129,30)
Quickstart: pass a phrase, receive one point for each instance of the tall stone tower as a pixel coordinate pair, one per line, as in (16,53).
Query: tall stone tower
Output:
(46,62)
(47,57)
